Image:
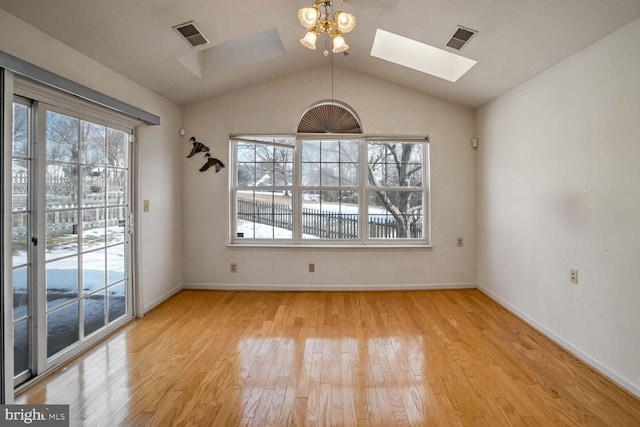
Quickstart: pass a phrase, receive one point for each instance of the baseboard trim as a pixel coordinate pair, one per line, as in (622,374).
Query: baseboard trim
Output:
(575,351)
(325,287)
(153,304)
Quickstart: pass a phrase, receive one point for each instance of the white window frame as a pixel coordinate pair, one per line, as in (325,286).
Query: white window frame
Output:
(363,188)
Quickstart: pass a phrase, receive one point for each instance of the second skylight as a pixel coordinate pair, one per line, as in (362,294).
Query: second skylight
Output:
(419,56)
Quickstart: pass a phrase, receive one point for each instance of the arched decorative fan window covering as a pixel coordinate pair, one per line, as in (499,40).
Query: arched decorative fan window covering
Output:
(329,116)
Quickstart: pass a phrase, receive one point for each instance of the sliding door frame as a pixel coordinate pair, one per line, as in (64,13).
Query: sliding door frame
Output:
(6,119)
(9,65)
(45,362)
(11,86)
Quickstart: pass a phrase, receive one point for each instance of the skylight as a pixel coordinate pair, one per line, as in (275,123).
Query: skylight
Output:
(419,56)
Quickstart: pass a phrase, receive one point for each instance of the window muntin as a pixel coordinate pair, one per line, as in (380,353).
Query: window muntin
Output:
(329,190)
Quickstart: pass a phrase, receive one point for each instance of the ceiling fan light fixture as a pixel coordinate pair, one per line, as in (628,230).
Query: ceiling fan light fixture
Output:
(318,21)
(309,39)
(344,21)
(339,45)
(308,16)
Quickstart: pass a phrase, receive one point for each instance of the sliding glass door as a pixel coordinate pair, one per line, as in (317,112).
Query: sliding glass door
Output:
(21,232)
(72,233)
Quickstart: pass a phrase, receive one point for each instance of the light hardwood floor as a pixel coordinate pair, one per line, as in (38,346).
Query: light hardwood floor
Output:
(421,358)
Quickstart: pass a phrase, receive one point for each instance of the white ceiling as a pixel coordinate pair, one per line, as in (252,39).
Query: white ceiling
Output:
(517,39)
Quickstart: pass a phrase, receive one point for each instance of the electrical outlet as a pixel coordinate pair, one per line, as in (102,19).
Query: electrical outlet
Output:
(460,242)
(312,268)
(233,267)
(573,276)
(145,206)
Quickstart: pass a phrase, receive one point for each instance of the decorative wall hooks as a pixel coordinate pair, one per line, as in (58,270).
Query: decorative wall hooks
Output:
(199,147)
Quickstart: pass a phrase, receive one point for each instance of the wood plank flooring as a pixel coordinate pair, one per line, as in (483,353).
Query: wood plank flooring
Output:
(419,358)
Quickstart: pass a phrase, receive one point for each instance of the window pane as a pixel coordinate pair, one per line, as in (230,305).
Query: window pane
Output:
(93,186)
(93,144)
(93,271)
(311,151)
(310,174)
(19,185)
(330,174)
(274,166)
(62,329)
(264,165)
(330,151)
(117,301)
(246,152)
(62,138)
(116,225)
(330,215)
(395,215)
(20,293)
(93,228)
(19,238)
(349,151)
(20,347)
(62,281)
(264,215)
(94,312)
(330,163)
(349,175)
(283,173)
(395,164)
(246,174)
(62,233)
(115,263)
(117,142)
(20,130)
(61,186)
(116,187)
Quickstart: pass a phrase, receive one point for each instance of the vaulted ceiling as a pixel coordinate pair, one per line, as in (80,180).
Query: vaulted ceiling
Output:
(257,40)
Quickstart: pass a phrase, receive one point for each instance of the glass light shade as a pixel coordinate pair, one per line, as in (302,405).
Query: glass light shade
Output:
(345,21)
(308,16)
(309,40)
(339,45)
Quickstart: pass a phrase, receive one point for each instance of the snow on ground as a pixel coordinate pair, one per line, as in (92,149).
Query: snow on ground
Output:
(345,208)
(62,287)
(91,261)
(263,231)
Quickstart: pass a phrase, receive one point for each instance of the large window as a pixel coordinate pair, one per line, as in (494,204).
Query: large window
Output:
(344,190)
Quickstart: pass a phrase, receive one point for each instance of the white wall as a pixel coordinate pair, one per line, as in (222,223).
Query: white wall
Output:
(385,109)
(160,166)
(559,189)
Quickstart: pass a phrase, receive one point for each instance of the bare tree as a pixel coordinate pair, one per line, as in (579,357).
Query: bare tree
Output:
(20,130)
(392,168)
(397,165)
(62,138)
(265,165)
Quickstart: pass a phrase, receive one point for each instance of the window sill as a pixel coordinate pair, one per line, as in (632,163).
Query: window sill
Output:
(327,246)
